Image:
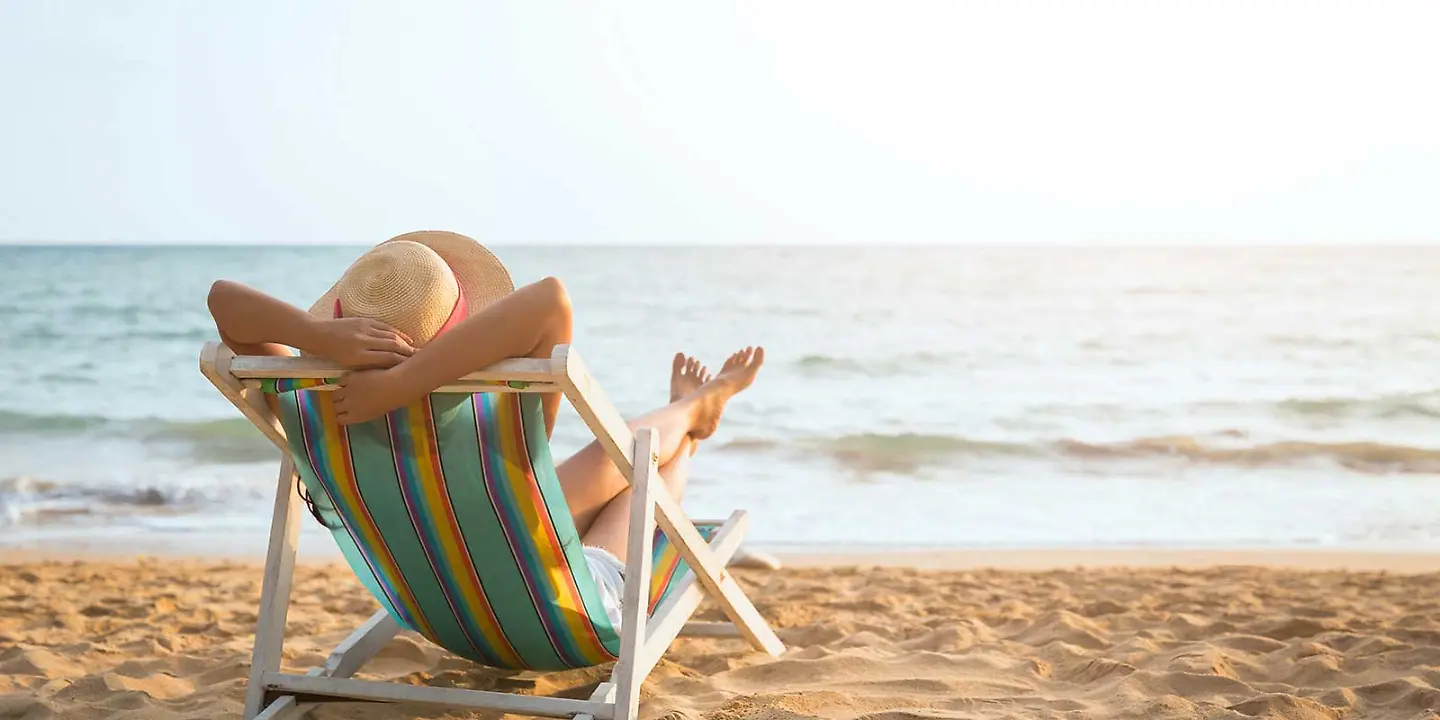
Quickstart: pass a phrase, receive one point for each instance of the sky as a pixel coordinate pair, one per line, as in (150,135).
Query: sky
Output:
(1014,122)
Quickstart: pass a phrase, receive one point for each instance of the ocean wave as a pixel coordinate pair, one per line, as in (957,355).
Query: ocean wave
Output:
(895,453)
(820,365)
(1367,457)
(111,311)
(908,452)
(216,441)
(1404,405)
(27,499)
(232,440)
(1398,406)
(197,334)
(749,444)
(1163,290)
(1312,341)
(18,421)
(44,331)
(137,335)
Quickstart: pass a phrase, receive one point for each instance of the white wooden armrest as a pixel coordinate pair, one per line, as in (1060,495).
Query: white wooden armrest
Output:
(585,395)
(248,367)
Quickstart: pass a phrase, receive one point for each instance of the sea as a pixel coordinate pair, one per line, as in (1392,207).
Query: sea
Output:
(912,397)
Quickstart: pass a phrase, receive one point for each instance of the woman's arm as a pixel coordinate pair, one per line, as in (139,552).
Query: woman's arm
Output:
(529,322)
(253,323)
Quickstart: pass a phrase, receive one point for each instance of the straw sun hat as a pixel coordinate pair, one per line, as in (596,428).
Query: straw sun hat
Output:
(419,283)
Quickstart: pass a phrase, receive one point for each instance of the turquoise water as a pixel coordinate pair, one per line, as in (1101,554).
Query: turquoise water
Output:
(955,397)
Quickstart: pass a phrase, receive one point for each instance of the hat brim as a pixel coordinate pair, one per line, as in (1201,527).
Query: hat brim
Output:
(480,275)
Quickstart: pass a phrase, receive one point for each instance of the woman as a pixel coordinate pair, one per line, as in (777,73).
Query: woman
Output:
(423,309)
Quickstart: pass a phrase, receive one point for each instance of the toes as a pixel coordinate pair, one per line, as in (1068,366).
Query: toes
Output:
(750,356)
(678,365)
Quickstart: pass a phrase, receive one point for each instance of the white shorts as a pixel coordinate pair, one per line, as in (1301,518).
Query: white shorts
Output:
(609,574)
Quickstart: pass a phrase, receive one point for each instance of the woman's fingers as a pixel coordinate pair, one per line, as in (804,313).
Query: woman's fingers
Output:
(386,340)
(380,329)
(391,340)
(340,399)
(400,345)
(344,413)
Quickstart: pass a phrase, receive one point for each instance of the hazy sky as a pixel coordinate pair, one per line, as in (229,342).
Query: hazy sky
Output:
(580,122)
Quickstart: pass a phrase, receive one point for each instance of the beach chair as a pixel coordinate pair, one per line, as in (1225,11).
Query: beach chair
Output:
(450,513)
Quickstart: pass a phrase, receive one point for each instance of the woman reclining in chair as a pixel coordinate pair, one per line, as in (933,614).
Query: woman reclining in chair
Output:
(425,308)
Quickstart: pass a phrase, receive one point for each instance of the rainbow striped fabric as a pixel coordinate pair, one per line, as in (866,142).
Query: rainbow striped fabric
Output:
(283,385)
(450,512)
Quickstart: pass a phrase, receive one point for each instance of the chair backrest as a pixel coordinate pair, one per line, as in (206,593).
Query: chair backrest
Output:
(451,513)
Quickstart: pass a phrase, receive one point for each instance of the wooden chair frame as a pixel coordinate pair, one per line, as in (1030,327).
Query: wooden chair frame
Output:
(271,694)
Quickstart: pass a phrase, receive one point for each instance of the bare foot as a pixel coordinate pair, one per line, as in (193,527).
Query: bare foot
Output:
(686,376)
(737,374)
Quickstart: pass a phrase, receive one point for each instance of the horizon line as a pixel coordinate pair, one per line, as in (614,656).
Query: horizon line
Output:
(31,243)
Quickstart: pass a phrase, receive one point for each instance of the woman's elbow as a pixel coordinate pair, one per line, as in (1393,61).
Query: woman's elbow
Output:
(557,298)
(229,303)
(220,293)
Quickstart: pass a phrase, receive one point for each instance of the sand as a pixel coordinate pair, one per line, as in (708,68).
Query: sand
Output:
(170,639)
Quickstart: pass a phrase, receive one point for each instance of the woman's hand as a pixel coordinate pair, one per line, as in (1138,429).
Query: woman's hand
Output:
(367,394)
(361,343)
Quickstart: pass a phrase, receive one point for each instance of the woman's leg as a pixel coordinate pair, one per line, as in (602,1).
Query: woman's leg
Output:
(590,479)
(591,482)
(611,528)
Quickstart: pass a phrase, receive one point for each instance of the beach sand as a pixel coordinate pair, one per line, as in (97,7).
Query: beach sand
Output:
(170,638)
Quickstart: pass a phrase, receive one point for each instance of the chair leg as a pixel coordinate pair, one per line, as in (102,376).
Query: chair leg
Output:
(604,693)
(275,589)
(635,604)
(344,661)
(712,575)
(711,629)
(674,613)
